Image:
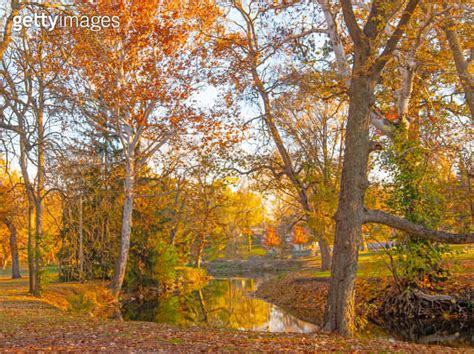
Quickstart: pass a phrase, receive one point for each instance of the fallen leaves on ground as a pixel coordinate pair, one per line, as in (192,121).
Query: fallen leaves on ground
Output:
(28,324)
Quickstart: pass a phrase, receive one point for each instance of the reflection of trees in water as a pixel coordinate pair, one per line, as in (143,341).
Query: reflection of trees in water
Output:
(227,305)
(222,303)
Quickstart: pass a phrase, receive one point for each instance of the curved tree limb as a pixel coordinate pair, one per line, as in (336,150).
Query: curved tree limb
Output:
(354,30)
(380,217)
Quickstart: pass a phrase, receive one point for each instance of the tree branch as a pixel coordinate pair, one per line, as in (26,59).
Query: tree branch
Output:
(351,22)
(394,38)
(380,217)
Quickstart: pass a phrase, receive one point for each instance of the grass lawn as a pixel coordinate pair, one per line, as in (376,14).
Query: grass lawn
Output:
(374,264)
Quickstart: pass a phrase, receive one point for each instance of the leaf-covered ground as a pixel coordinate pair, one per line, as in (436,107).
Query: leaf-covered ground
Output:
(28,324)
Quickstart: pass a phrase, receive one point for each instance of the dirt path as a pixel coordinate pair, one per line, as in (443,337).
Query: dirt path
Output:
(28,324)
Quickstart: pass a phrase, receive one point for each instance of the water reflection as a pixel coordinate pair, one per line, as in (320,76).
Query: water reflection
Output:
(454,333)
(222,303)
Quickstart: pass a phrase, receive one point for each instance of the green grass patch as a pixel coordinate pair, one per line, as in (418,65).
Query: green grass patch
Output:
(375,264)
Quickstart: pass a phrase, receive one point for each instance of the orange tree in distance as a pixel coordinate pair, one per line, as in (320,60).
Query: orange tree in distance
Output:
(300,236)
(272,239)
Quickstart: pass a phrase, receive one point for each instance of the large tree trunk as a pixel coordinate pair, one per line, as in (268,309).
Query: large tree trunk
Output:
(39,198)
(30,191)
(350,214)
(37,249)
(14,250)
(121,264)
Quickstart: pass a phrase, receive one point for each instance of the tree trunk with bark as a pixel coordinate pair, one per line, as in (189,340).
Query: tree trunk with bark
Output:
(37,247)
(367,66)
(350,212)
(31,259)
(121,263)
(14,250)
(39,196)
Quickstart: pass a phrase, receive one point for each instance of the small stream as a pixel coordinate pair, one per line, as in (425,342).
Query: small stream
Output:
(224,303)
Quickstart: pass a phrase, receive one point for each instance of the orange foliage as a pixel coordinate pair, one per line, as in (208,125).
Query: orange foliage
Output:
(271,238)
(391,115)
(300,236)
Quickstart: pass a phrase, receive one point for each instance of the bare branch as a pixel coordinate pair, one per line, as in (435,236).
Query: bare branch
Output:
(350,19)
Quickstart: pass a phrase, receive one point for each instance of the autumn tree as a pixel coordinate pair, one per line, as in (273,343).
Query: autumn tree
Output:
(207,204)
(29,70)
(457,32)
(373,48)
(12,213)
(272,239)
(256,49)
(313,125)
(241,215)
(149,63)
(300,236)
(88,175)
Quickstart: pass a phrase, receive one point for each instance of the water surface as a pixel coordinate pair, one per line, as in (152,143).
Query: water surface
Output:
(224,303)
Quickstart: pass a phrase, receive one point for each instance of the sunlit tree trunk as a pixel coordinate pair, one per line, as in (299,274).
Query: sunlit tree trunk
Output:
(30,191)
(40,187)
(199,252)
(121,263)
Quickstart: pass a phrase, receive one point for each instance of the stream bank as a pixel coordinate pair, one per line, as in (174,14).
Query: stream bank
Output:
(305,297)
